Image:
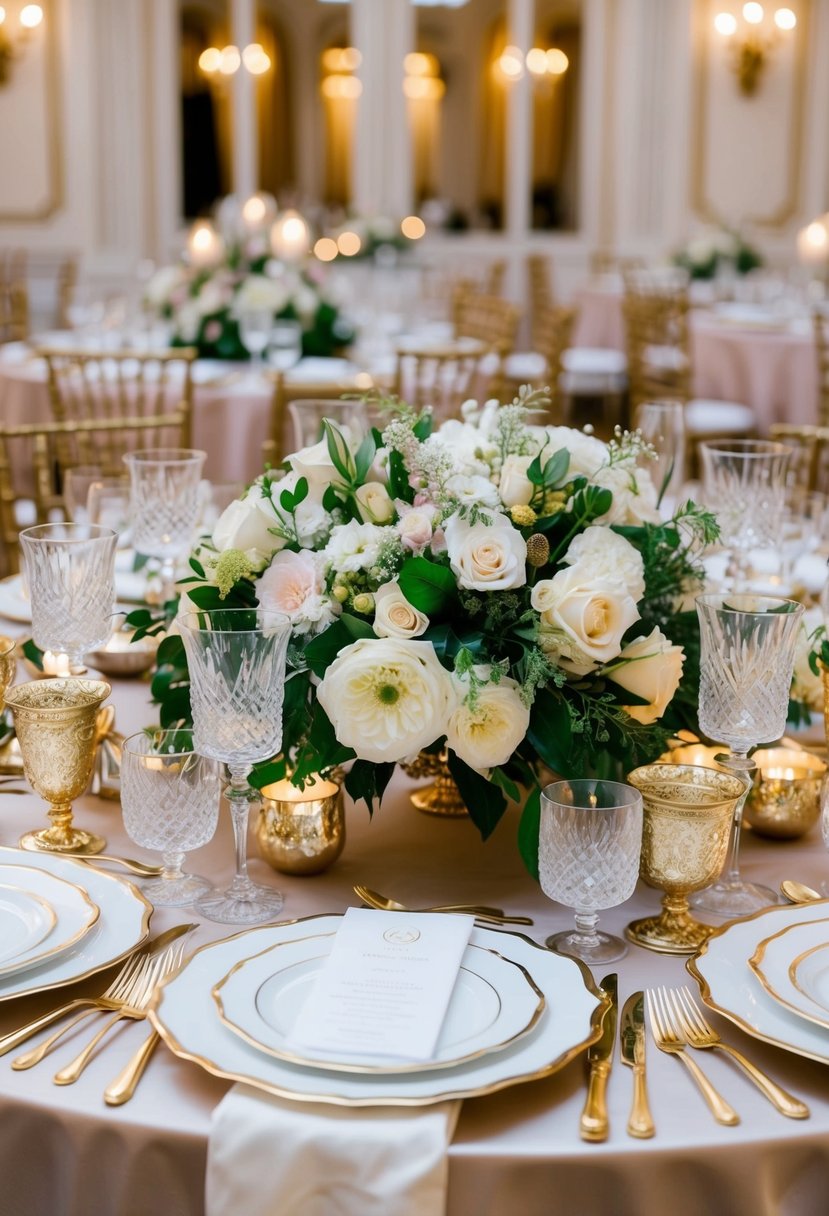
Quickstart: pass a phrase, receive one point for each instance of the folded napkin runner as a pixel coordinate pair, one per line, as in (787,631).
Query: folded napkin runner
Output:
(271,1157)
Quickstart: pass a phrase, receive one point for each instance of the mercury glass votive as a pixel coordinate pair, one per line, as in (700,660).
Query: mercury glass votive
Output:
(301,831)
(784,801)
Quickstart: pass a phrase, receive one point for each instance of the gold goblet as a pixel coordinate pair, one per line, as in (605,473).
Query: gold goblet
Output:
(56,726)
(687,819)
(8,664)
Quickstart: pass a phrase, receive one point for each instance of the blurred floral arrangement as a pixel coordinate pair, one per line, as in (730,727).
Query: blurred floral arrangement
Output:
(501,590)
(714,249)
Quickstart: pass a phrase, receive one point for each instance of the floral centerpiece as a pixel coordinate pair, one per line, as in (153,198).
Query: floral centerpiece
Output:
(504,591)
(204,303)
(714,248)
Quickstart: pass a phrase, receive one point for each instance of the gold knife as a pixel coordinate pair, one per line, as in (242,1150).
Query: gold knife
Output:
(594,1124)
(632,1051)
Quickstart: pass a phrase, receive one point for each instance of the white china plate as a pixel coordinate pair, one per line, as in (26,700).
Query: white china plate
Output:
(25,919)
(571,1020)
(14,604)
(72,914)
(494,1001)
(122,925)
(790,969)
(729,985)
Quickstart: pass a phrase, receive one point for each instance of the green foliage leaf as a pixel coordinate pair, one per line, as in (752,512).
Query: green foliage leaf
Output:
(322,650)
(550,731)
(365,455)
(366,782)
(399,479)
(428,586)
(339,452)
(483,799)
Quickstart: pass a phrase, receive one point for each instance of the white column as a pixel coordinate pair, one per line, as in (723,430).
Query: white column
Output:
(164,158)
(244,126)
(518,152)
(383,33)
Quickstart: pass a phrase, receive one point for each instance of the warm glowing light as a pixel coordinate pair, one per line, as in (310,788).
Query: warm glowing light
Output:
(725,24)
(204,244)
(813,242)
(413,227)
(290,237)
(31,16)
(211,59)
(255,59)
(753,12)
(2,15)
(785,19)
(348,243)
(423,88)
(537,61)
(257,211)
(340,87)
(326,249)
(341,59)
(557,61)
(364,380)
(419,63)
(511,63)
(230,60)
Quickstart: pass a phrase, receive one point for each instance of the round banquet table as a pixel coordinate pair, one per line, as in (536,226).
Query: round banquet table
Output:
(64,1153)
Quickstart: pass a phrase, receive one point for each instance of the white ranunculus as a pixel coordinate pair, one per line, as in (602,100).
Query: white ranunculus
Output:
(247,524)
(610,557)
(587,454)
(634,494)
(486,557)
(487,732)
(387,698)
(651,668)
(473,490)
(354,546)
(394,616)
(293,585)
(583,619)
(374,503)
(514,486)
(258,292)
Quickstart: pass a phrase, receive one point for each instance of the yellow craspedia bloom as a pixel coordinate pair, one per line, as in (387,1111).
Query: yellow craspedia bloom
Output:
(522,516)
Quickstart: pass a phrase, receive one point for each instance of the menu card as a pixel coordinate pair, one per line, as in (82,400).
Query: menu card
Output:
(386,985)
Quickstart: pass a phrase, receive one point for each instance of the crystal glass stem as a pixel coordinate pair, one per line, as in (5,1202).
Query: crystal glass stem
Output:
(171,863)
(241,797)
(741,766)
(585,931)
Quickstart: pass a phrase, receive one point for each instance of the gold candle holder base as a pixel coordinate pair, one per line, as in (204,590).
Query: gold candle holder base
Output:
(442,797)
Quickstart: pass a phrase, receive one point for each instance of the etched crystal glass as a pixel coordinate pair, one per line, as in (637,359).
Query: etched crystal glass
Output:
(71,574)
(165,504)
(170,802)
(236,658)
(589,844)
(746,663)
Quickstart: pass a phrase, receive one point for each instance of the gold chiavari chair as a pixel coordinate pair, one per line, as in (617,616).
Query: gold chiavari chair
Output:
(443,376)
(493,283)
(67,280)
(542,367)
(542,299)
(284,431)
(809,462)
(14,296)
(604,261)
(118,385)
(821,324)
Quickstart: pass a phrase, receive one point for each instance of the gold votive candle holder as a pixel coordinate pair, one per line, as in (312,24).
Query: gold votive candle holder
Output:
(784,801)
(301,831)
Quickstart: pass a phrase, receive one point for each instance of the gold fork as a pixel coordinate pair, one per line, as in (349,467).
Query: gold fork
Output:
(700,1033)
(480,911)
(135,1006)
(669,1039)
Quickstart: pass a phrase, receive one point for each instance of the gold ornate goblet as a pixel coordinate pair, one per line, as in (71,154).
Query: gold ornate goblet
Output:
(687,819)
(56,726)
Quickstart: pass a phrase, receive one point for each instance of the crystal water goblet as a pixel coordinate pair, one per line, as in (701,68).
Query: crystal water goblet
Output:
(662,425)
(307,417)
(70,570)
(170,802)
(589,844)
(236,658)
(255,330)
(165,505)
(284,345)
(744,485)
(76,483)
(747,657)
(108,504)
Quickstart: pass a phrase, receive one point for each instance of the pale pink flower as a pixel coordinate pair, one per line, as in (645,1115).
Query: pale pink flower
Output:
(293,585)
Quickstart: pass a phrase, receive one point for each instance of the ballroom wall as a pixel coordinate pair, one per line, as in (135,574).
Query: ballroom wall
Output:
(89,132)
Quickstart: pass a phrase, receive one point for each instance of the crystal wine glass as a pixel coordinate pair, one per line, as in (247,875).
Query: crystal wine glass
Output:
(307,416)
(71,575)
(170,802)
(236,658)
(165,505)
(662,425)
(284,345)
(746,663)
(255,330)
(588,858)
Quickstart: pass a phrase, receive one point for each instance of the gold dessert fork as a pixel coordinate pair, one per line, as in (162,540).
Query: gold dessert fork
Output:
(700,1033)
(480,911)
(668,1039)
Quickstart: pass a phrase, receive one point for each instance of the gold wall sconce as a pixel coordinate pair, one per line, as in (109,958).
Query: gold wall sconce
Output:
(752,36)
(14,35)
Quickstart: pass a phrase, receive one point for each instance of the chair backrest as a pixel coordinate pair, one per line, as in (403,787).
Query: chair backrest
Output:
(67,280)
(489,319)
(117,385)
(283,434)
(605,261)
(14,296)
(821,323)
(809,461)
(540,285)
(658,349)
(443,377)
(554,333)
(48,449)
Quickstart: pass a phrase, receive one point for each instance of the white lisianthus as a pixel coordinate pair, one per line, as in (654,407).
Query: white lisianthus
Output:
(257,292)
(610,557)
(485,732)
(387,698)
(587,454)
(354,546)
(470,489)
(514,486)
(249,524)
(486,557)
(293,585)
(634,494)
(374,503)
(650,668)
(583,618)
(394,616)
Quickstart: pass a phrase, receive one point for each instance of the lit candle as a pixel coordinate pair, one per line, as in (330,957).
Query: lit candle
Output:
(290,238)
(257,212)
(56,664)
(204,245)
(286,791)
(813,242)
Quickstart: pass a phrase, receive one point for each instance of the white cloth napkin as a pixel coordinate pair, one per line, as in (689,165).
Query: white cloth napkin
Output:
(270,1157)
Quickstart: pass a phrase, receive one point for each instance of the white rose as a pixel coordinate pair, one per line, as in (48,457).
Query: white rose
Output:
(610,557)
(583,618)
(650,668)
(415,528)
(634,494)
(315,464)
(486,557)
(374,503)
(394,616)
(515,487)
(387,698)
(486,733)
(293,585)
(246,524)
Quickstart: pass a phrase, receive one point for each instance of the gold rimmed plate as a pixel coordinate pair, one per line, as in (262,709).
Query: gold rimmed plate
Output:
(792,967)
(569,1022)
(25,919)
(70,914)
(730,986)
(494,1002)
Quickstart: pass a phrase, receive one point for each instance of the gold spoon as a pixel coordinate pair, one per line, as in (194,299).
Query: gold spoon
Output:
(480,912)
(141,868)
(797,892)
